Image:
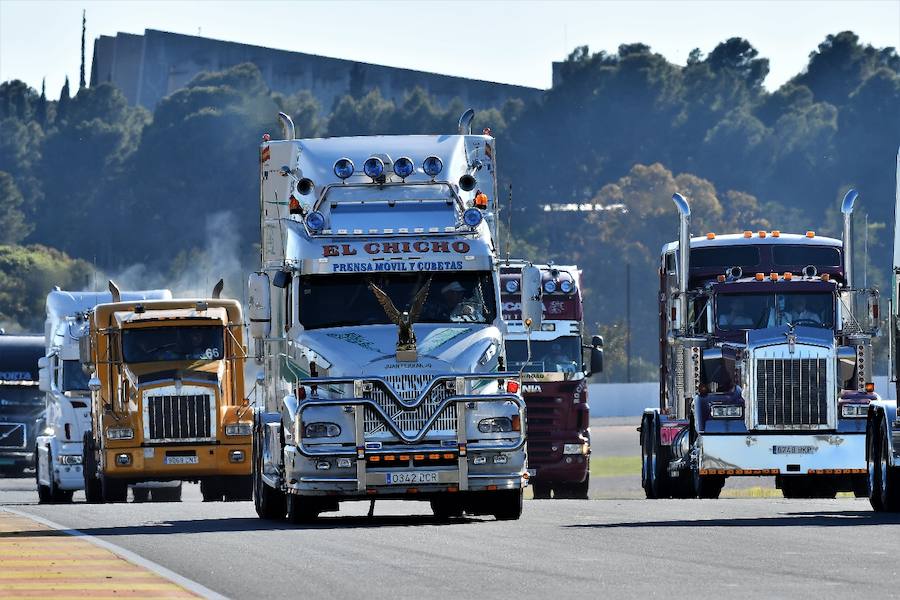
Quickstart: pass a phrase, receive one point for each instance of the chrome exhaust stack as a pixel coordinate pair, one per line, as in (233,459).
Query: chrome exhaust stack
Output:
(684,255)
(847,209)
(465,122)
(287,126)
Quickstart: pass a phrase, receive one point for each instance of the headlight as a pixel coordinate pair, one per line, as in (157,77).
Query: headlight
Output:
(566,286)
(432,166)
(69,459)
(404,167)
(512,286)
(854,411)
(495,425)
(343,168)
(120,433)
(726,411)
(320,430)
(472,217)
(373,167)
(575,448)
(550,287)
(239,429)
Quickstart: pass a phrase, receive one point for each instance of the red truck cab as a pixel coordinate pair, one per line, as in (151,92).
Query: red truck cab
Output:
(554,382)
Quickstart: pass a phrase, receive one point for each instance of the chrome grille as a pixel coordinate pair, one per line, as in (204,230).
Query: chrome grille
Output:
(792,392)
(179,417)
(410,421)
(12,435)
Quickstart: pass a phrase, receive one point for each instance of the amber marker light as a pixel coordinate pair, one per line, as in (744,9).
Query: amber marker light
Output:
(870,387)
(481,200)
(760,276)
(710,236)
(810,234)
(748,234)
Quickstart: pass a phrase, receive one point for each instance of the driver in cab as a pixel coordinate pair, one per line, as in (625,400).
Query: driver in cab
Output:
(801,314)
(736,316)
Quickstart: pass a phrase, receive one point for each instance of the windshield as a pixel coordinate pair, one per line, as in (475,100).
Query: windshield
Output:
(153,344)
(74,378)
(14,398)
(342,300)
(757,311)
(562,355)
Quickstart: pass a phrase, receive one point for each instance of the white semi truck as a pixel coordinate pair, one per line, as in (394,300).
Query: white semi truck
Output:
(376,321)
(58,448)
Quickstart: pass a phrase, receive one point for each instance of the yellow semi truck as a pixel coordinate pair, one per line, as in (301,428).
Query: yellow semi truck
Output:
(168,402)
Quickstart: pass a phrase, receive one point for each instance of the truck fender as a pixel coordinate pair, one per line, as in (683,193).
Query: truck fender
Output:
(887,410)
(652,413)
(264,424)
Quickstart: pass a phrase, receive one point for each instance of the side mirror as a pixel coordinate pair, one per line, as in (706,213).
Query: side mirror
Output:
(596,360)
(44,374)
(597,341)
(259,305)
(94,384)
(532,302)
(282,279)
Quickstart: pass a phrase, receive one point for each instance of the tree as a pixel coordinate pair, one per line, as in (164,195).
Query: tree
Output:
(13,227)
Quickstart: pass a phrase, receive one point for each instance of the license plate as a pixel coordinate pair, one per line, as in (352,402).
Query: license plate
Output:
(411,477)
(794,449)
(182,460)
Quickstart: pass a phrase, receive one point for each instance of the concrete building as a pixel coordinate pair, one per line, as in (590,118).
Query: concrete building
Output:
(151,66)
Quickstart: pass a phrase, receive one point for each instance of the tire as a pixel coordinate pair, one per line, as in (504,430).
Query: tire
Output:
(573,491)
(166,494)
(92,492)
(113,490)
(873,464)
(212,489)
(653,467)
(888,476)
(302,509)
(507,504)
(541,491)
(807,487)
(269,503)
(140,494)
(708,487)
(447,507)
(45,494)
(238,488)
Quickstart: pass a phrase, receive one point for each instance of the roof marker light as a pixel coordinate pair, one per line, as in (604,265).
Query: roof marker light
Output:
(776,233)
(810,234)
(760,276)
(773,276)
(432,166)
(404,167)
(710,236)
(373,167)
(762,234)
(720,278)
(788,275)
(343,168)
(472,217)
(826,277)
(315,220)
(748,234)
(481,200)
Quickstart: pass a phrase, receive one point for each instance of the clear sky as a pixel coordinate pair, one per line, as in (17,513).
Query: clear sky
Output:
(510,42)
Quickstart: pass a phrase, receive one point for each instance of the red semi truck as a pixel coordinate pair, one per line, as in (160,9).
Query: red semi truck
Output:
(554,378)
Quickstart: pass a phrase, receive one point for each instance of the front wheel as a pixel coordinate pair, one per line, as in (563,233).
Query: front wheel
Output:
(707,486)
(302,509)
(211,490)
(447,507)
(507,504)
(113,490)
(92,492)
(269,503)
(652,467)
(888,476)
(166,494)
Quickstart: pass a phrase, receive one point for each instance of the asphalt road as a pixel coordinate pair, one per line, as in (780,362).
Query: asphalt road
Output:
(740,548)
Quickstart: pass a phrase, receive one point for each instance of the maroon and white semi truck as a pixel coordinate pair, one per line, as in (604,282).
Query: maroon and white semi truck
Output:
(765,364)
(554,378)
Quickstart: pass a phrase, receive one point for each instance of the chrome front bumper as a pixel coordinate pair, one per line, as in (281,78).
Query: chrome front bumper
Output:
(783,454)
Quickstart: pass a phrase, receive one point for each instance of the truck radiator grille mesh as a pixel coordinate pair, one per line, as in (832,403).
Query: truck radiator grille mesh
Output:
(179,417)
(792,393)
(410,421)
(12,435)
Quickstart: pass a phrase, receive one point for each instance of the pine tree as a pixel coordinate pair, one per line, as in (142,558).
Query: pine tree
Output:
(81,82)
(62,106)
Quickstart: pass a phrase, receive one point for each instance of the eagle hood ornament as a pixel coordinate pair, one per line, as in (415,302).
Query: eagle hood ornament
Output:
(406,337)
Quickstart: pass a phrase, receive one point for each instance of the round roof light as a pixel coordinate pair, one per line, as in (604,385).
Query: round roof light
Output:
(343,168)
(566,286)
(472,217)
(373,167)
(315,220)
(550,287)
(432,166)
(512,286)
(404,167)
